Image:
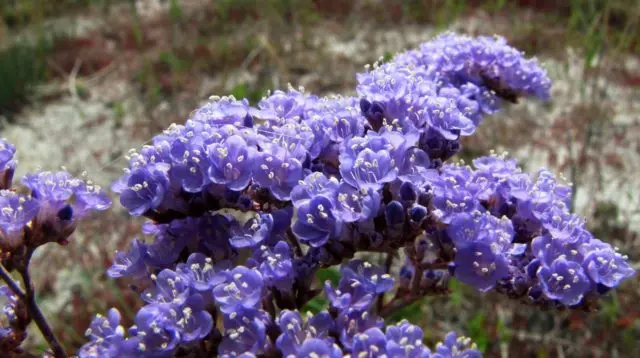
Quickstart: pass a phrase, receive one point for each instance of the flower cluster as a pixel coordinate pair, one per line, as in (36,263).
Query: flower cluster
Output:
(516,234)
(247,203)
(15,314)
(49,212)
(47,209)
(488,63)
(176,316)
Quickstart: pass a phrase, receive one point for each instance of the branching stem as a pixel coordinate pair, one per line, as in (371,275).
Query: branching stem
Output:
(28,297)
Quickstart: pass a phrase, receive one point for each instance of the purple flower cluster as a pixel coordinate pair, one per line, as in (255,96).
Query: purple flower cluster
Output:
(176,315)
(443,89)
(516,234)
(50,211)
(246,204)
(16,317)
(7,163)
(47,209)
(482,61)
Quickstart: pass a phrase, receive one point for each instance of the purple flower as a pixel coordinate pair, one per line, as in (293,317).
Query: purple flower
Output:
(477,265)
(349,295)
(105,334)
(373,278)
(498,166)
(295,331)
(354,205)
(564,281)
(298,139)
(386,83)
(456,347)
(547,190)
(156,331)
(130,263)
(373,160)
(548,249)
(203,274)
(280,107)
(445,117)
(90,197)
(168,287)
(244,332)
(487,62)
(351,322)
(607,267)
(62,200)
(314,347)
(369,170)
(193,320)
(453,194)
(164,251)
(16,211)
(253,232)
(316,222)
(231,162)
(465,229)
(561,224)
(51,186)
(405,340)
(145,190)
(370,343)
(398,93)
(242,288)
(276,265)
(7,163)
(223,111)
(416,167)
(417,214)
(313,184)
(340,116)
(190,163)
(277,169)
(499,175)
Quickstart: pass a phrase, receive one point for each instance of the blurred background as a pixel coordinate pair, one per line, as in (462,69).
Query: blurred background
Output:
(83,81)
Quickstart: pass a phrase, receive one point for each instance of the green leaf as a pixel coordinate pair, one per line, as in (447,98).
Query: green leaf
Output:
(175,63)
(388,55)
(175,11)
(330,274)
(504,333)
(411,312)
(318,304)
(610,308)
(477,332)
(457,294)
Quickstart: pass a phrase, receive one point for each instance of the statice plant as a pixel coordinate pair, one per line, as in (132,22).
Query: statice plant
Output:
(245,204)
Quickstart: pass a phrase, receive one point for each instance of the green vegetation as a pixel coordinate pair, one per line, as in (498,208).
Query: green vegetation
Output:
(22,66)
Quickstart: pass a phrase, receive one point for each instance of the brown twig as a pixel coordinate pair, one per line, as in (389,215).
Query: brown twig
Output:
(29,298)
(11,283)
(397,303)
